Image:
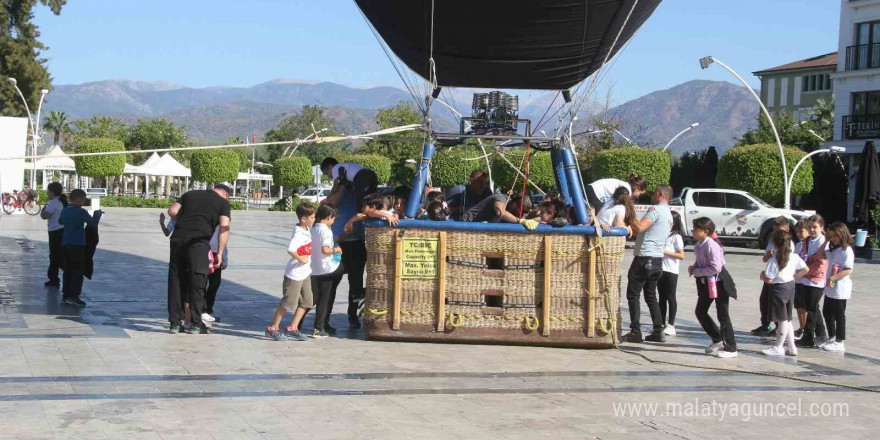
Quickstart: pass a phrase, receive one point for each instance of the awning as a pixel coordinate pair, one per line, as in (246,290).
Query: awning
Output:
(165,166)
(254,176)
(56,160)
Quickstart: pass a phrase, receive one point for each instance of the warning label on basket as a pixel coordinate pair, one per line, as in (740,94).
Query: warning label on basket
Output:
(419,258)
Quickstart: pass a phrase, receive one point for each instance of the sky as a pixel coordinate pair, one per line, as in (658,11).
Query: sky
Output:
(200,43)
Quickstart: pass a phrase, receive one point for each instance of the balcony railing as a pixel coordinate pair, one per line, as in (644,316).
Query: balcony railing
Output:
(863,56)
(861,127)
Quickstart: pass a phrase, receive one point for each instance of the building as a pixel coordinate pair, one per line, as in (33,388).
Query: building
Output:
(856,82)
(797,86)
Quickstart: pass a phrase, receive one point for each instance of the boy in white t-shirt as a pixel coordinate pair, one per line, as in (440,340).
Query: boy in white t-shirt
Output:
(56,231)
(327,269)
(297,287)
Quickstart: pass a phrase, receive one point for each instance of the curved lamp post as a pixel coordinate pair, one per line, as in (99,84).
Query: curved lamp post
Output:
(831,149)
(34,126)
(690,127)
(705,63)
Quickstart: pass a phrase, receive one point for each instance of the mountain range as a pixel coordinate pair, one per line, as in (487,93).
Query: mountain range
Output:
(214,114)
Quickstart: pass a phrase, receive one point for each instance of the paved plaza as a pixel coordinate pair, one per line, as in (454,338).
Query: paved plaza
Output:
(111,370)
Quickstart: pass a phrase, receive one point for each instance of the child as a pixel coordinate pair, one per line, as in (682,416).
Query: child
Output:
(838,285)
(673,253)
(214,278)
(436,211)
(326,269)
(401,197)
(52,212)
(433,196)
(802,232)
(814,284)
(73,245)
(601,191)
(618,212)
(169,229)
(708,264)
(780,224)
(297,287)
(781,272)
(374,206)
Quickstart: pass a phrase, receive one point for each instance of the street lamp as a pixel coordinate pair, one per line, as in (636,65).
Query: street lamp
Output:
(704,64)
(831,149)
(690,127)
(34,126)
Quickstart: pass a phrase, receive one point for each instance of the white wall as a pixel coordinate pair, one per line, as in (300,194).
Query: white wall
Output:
(13,139)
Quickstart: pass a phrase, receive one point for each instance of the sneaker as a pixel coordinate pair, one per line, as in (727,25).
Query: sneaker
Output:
(725,354)
(791,351)
(760,330)
(296,335)
(822,344)
(633,336)
(656,336)
(836,346)
(205,330)
(713,347)
(798,334)
(174,329)
(319,333)
(207,318)
(276,334)
(669,330)
(74,302)
(361,307)
(191,330)
(329,330)
(52,284)
(805,343)
(773,351)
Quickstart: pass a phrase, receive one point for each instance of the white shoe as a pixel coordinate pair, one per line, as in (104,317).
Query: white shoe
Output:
(669,330)
(836,346)
(712,348)
(827,341)
(207,318)
(773,351)
(725,354)
(791,351)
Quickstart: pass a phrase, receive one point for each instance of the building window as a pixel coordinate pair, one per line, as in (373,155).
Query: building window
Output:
(866,103)
(816,83)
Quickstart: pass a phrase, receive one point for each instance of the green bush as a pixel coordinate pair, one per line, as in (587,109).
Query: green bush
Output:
(448,169)
(380,165)
(286,204)
(756,169)
(99,166)
(540,172)
(292,172)
(212,166)
(236,205)
(134,202)
(654,165)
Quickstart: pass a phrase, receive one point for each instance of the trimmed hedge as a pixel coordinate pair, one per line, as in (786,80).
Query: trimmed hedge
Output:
(448,169)
(292,172)
(654,165)
(540,172)
(755,168)
(380,165)
(162,203)
(213,166)
(99,166)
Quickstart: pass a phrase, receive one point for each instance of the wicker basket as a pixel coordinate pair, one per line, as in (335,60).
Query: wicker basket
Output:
(492,288)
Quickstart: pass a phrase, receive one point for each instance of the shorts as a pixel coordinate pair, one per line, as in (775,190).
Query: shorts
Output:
(782,300)
(800,296)
(297,294)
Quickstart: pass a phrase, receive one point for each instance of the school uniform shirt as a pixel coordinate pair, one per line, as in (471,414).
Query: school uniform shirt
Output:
(609,212)
(604,188)
(301,243)
(674,243)
(54,210)
(322,263)
(75,219)
(785,274)
(844,259)
(806,249)
(650,242)
(347,169)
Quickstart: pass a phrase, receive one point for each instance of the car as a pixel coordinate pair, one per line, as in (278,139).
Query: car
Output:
(315,194)
(738,215)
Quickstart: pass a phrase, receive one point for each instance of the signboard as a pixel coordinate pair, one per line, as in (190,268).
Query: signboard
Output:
(419,258)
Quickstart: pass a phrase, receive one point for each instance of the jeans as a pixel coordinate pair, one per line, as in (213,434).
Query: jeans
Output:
(324,288)
(722,311)
(187,278)
(815,326)
(666,288)
(354,258)
(56,257)
(835,318)
(644,273)
(74,267)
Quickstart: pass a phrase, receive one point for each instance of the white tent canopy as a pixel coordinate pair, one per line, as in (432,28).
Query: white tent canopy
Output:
(149,162)
(165,166)
(56,160)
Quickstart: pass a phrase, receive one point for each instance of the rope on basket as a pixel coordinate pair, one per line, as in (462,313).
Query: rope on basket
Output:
(528,324)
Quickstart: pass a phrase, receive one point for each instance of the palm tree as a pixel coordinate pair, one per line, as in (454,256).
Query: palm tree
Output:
(59,123)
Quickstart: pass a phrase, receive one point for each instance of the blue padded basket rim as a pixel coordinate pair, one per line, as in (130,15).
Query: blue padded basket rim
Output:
(494,227)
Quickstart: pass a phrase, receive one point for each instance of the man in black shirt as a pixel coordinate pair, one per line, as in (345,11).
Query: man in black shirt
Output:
(196,215)
(461,198)
(497,209)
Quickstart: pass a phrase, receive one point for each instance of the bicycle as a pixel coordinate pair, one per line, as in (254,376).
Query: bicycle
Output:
(25,200)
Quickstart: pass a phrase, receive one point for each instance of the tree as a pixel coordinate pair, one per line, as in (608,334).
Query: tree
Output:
(789,133)
(100,166)
(103,127)
(653,165)
(211,166)
(155,133)
(292,172)
(756,169)
(398,151)
(59,124)
(244,159)
(300,126)
(20,55)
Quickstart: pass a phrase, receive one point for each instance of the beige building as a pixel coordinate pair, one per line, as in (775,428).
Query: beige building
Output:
(797,86)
